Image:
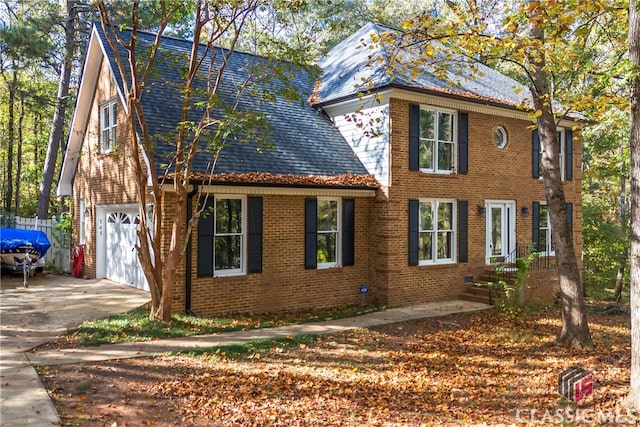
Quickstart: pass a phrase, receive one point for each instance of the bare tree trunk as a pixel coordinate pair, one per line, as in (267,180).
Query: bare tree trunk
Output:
(57,126)
(19,156)
(634,55)
(622,266)
(13,89)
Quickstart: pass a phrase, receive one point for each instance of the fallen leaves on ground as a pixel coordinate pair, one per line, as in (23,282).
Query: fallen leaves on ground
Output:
(480,368)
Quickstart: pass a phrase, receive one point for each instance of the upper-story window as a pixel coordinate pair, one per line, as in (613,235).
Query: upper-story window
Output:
(564,140)
(437,140)
(108,124)
(500,136)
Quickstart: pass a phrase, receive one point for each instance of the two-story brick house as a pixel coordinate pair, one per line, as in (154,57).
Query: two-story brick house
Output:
(304,225)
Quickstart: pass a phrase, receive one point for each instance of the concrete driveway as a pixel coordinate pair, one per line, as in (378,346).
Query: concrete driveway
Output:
(37,314)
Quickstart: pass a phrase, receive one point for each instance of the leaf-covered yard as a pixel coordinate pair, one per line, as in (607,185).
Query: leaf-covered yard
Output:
(475,368)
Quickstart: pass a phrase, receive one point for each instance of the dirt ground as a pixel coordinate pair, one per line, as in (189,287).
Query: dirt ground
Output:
(478,368)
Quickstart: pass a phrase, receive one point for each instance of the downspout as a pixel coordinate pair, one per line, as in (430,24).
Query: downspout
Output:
(189,255)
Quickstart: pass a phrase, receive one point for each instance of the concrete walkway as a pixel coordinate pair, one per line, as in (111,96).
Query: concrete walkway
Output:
(32,316)
(139,349)
(25,402)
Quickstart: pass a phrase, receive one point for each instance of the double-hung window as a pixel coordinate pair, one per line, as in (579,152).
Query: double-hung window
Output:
(544,231)
(437,140)
(328,232)
(83,220)
(329,226)
(108,124)
(564,141)
(229,236)
(436,231)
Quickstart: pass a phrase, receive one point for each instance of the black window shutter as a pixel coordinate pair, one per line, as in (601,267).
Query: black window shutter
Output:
(310,230)
(570,218)
(205,239)
(536,225)
(535,140)
(348,232)
(568,146)
(463,143)
(254,243)
(413,232)
(463,248)
(414,137)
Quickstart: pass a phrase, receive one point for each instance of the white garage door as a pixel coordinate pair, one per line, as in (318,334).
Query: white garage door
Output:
(122,264)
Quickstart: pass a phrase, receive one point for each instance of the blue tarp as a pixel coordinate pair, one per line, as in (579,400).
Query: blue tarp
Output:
(13,238)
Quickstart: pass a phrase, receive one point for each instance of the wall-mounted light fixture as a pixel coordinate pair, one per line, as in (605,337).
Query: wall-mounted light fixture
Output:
(524,211)
(482,211)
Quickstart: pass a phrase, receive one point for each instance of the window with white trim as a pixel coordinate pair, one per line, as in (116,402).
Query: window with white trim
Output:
(83,219)
(560,141)
(436,231)
(229,236)
(108,125)
(437,140)
(328,232)
(544,231)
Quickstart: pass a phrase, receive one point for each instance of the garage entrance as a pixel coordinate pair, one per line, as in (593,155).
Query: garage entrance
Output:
(119,256)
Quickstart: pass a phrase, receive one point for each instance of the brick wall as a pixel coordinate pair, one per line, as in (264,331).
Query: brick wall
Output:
(381,222)
(284,283)
(101,179)
(494,174)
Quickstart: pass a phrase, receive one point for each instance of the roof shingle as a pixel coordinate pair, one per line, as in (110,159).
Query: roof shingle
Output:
(302,140)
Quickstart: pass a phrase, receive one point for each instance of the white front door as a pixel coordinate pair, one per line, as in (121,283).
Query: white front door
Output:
(501,230)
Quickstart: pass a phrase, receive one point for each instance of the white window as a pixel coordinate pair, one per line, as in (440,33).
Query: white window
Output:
(561,144)
(437,140)
(500,137)
(108,123)
(560,140)
(436,231)
(328,233)
(229,236)
(83,219)
(544,231)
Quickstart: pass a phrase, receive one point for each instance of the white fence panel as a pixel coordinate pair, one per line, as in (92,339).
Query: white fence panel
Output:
(58,256)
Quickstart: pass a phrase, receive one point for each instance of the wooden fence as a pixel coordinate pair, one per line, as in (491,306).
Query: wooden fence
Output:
(58,256)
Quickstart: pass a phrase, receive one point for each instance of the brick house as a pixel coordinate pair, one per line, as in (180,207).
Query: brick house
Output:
(412,187)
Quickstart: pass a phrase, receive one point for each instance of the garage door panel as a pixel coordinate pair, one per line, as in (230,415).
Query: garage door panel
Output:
(122,263)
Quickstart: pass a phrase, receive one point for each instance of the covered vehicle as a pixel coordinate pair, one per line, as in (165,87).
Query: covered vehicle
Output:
(21,248)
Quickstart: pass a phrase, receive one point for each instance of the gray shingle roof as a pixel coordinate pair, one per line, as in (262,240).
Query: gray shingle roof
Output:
(304,140)
(359,64)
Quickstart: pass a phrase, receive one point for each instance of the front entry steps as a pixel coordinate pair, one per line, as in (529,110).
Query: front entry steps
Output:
(481,291)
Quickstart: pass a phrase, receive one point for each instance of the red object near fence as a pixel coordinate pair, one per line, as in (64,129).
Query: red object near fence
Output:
(77,261)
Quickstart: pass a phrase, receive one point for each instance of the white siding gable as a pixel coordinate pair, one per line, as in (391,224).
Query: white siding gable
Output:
(367,132)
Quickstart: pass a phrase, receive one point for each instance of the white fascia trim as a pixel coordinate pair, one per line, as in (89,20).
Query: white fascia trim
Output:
(358,104)
(382,98)
(91,70)
(281,191)
(145,158)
